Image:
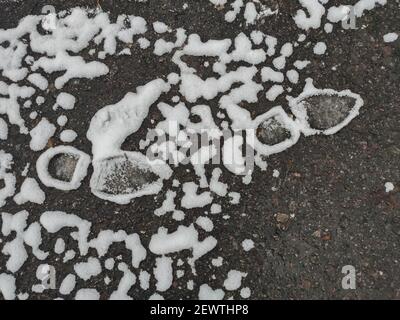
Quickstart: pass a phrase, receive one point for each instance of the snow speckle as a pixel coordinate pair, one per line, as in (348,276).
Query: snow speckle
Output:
(163,273)
(390,37)
(245,293)
(7,286)
(234,280)
(247,244)
(389,186)
(3,130)
(66,101)
(68,284)
(88,269)
(87,294)
(41,134)
(207,293)
(68,136)
(320,48)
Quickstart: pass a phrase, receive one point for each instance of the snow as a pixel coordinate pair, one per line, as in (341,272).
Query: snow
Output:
(127,281)
(69,255)
(38,80)
(190,285)
(24,172)
(257,37)
(32,237)
(131,163)
(156,296)
(245,293)
(193,87)
(178,215)
(66,101)
(88,269)
(75,67)
(163,273)
(10,106)
(59,247)
(215,208)
(235,197)
(207,293)
(30,192)
(250,13)
(244,52)
(247,244)
(366,5)
(3,130)
(14,249)
(68,136)
(232,155)
(216,186)
(183,238)
(62,120)
(33,115)
(301,64)
(8,178)
(340,13)
(143,43)
(293,76)
(390,37)
(113,124)
(389,186)
(234,280)
(320,48)
(287,50)
(7,286)
(271,43)
(217,262)
(68,284)
(230,16)
(205,223)
(54,221)
(162,47)
(274,92)
(106,238)
(126,52)
(144,279)
(160,27)
(109,264)
(193,200)
(40,100)
(218,2)
(79,172)
(180,273)
(328,27)
(168,205)
(279,62)
(311,18)
(41,134)
(268,74)
(87,294)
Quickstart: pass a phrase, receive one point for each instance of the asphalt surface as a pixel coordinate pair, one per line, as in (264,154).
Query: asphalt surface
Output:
(330,208)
